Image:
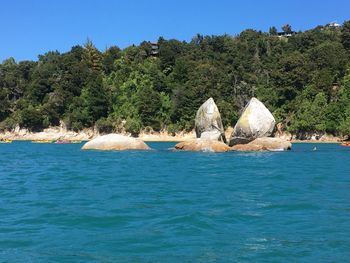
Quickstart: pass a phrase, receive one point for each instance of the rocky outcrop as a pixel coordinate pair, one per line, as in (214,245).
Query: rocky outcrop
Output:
(201,145)
(208,124)
(264,144)
(248,148)
(272,144)
(256,121)
(49,134)
(115,142)
(211,135)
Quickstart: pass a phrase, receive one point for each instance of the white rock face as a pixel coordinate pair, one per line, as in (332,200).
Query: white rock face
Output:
(208,124)
(256,121)
(115,142)
(211,135)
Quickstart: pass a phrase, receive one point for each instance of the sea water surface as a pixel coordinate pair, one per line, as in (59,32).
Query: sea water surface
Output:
(61,204)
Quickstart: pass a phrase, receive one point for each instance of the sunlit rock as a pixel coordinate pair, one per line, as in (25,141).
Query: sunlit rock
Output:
(201,145)
(256,121)
(208,124)
(115,142)
(272,144)
(264,144)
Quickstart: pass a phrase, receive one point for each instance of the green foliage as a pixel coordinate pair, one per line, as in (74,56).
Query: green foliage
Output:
(273,31)
(345,124)
(105,126)
(33,119)
(345,35)
(311,115)
(304,80)
(92,56)
(133,126)
(95,99)
(8,124)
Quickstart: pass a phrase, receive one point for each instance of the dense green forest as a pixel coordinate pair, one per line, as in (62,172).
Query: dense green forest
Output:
(303,79)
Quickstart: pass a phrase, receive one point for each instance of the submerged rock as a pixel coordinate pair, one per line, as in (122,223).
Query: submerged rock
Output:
(201,145)
(264,144)
(115,142)
(256,121)
(208,124)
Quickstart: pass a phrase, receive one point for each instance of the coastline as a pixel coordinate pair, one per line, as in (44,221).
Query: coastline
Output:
(60,133)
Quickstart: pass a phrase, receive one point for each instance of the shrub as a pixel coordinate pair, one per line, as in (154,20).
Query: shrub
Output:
(104,126)
(133,126)
(8,124)
(32,119)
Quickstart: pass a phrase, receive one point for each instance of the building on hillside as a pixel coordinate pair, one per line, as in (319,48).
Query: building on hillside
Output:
(286,34)
(154,49)
(333,25)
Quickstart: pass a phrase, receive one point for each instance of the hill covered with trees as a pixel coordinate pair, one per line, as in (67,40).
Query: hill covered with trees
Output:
(304,79)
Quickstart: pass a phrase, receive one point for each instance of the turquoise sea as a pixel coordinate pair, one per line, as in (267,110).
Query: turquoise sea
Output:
(61,204)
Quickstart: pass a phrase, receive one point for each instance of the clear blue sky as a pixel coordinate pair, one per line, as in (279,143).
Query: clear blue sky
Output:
(32,27)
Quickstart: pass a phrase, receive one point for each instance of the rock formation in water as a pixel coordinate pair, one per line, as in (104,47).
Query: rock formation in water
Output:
(248,148)
(115,142)
(202,145)
(256,121)
(208,124)
(273,144)
(264,144)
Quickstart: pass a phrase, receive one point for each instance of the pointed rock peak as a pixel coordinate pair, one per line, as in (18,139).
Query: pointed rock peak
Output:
(208,121)
(209,106)
(256,121)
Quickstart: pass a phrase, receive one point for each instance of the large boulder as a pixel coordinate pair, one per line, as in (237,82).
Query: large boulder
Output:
(208,124)
(256,121)
(264,144)
(201,145)
(115,142)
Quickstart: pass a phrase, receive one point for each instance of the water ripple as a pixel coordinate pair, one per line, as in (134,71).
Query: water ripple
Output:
(61,204)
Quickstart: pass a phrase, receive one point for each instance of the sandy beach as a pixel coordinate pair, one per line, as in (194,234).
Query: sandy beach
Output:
(59,133)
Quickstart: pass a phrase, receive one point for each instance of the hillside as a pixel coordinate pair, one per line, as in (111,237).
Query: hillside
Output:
(304,79)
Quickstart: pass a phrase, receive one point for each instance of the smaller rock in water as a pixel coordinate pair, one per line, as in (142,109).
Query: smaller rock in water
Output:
(248,148)
(264,144)
(272,144)
(208,124)
(115,142)
(200,145)
(256,121)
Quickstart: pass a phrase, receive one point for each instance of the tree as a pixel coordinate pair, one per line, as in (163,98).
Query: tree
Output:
(287,28)
(311,115)
(149,105)
(32,118)
(345,35)
(109,57)
(273,31)
(95,98)
(93,57)
(303,80)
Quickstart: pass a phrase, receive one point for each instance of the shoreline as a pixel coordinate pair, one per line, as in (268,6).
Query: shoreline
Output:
(178,140)
(60,133)
(317,142)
